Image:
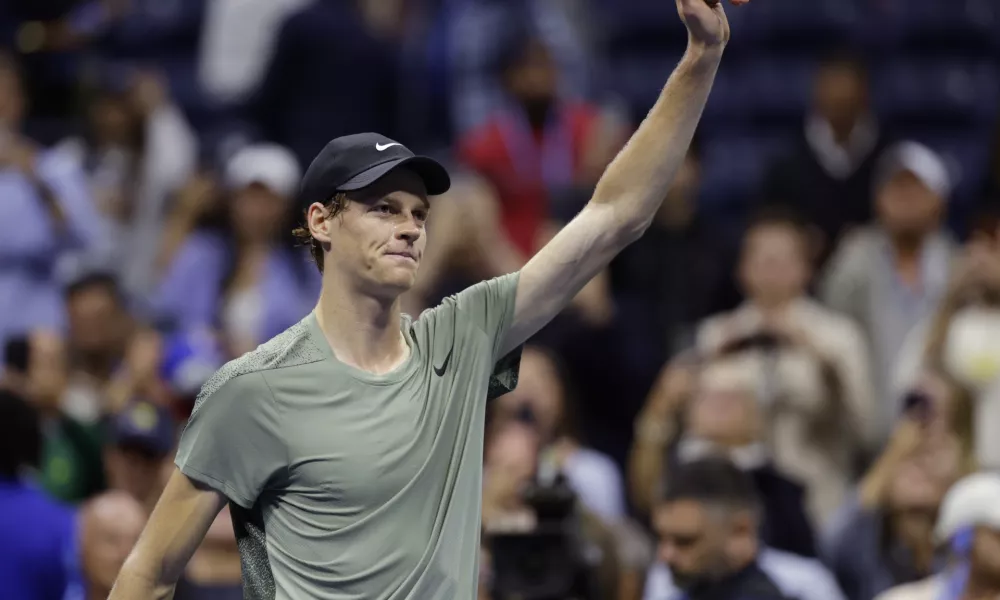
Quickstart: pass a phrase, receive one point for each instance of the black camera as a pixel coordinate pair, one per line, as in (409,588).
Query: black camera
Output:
(546,563)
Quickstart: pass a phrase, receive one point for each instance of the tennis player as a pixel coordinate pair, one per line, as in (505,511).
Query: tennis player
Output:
(349,448)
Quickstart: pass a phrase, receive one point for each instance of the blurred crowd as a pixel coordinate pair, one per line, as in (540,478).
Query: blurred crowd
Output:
(789,387)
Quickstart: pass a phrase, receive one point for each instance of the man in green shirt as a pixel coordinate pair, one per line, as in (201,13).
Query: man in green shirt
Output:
(349,448)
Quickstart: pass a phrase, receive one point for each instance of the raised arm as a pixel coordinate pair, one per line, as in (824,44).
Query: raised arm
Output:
(634,184)
(177,526)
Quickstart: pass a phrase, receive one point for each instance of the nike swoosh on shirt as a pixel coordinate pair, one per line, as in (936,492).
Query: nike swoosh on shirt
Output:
(439,371)
(381,147)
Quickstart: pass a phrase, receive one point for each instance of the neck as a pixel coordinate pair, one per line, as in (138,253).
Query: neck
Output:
(907,247)
(362,330)
(772,307)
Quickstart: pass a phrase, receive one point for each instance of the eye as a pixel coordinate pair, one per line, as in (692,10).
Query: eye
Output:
(420,215)
(383,209)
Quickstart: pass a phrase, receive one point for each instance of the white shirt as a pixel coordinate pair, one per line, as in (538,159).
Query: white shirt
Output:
(795,576)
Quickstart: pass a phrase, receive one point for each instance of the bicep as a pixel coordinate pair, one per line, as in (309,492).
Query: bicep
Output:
(176,527)
(558,272)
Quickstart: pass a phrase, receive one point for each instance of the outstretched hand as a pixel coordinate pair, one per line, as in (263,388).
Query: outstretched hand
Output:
(706,21)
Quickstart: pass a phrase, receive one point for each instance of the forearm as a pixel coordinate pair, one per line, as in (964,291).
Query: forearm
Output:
(637,180)
(134,584)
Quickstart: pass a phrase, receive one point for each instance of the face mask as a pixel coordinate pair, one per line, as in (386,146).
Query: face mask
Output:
(972,347)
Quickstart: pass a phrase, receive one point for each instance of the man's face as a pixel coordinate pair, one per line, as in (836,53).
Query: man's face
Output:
(722,411)
(11,99)
(97,322)
(511,458)
(47,369)
(841,96)
(377,241)
(258,213)
(533,79)
(986,554)
(135,471)
(774,265)
(700,545)
(907,207)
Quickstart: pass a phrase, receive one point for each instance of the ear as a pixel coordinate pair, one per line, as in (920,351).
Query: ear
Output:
(743,535)
(319,222)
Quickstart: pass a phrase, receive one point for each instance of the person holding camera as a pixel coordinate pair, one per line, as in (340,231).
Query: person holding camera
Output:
(883,536)
(713,410)
(812,364)
(708,525)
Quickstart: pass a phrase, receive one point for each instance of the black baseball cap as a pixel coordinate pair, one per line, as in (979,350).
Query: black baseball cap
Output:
(356,161)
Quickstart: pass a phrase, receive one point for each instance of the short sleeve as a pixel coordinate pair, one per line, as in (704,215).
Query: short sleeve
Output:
(489,307)
(232,442)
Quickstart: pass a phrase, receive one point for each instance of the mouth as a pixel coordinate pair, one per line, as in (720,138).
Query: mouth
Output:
(406,256)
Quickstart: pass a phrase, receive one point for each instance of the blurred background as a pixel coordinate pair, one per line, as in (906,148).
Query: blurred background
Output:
(817,302)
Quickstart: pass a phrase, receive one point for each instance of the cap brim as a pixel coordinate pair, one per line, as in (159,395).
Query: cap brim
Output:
(434,175)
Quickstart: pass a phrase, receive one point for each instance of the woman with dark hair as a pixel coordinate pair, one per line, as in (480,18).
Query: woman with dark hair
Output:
(244,277)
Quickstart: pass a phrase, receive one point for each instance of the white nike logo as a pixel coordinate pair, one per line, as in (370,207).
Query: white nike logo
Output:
(381,147)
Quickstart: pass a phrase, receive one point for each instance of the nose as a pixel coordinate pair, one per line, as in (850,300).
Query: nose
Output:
(667,552)
(409,230)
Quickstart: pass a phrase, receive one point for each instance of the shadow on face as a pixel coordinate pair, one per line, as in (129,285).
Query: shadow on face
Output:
(258,214)
(539,395)
(908,208)
(775,265)
(841,96)
(701,543)
(377,241)
(12,99)
(97,322)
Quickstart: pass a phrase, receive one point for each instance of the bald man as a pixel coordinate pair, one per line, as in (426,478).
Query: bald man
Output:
(110,526)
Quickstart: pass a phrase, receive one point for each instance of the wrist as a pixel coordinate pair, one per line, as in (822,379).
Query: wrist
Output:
(702,54)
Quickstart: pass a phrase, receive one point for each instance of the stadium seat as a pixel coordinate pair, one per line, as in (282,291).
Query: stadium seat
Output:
(938,92)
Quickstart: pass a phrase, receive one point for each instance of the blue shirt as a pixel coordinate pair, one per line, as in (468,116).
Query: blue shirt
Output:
(37,544)
(31,245)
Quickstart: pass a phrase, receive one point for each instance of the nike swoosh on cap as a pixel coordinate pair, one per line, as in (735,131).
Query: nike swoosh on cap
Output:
(381,147)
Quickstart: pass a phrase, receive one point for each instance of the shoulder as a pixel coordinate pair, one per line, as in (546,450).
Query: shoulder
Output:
(798,576)
(292,347)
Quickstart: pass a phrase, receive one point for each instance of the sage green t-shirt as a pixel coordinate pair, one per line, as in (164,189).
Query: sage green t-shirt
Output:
(347,485)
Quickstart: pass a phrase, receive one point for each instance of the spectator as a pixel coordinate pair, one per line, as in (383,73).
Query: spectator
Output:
(540,149)
(544,401)
(883,537)
(110,525)
(680,251)
(475,36)
(47,213)
(828,173)
(301,102)
(100,329)
(969,524)
(36,367)
(38,534)
(245,279)
(714,411)
(890,276)
(141,439)
(708,527)
(960,341)
(512,455)
(811,362)
(139,149)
